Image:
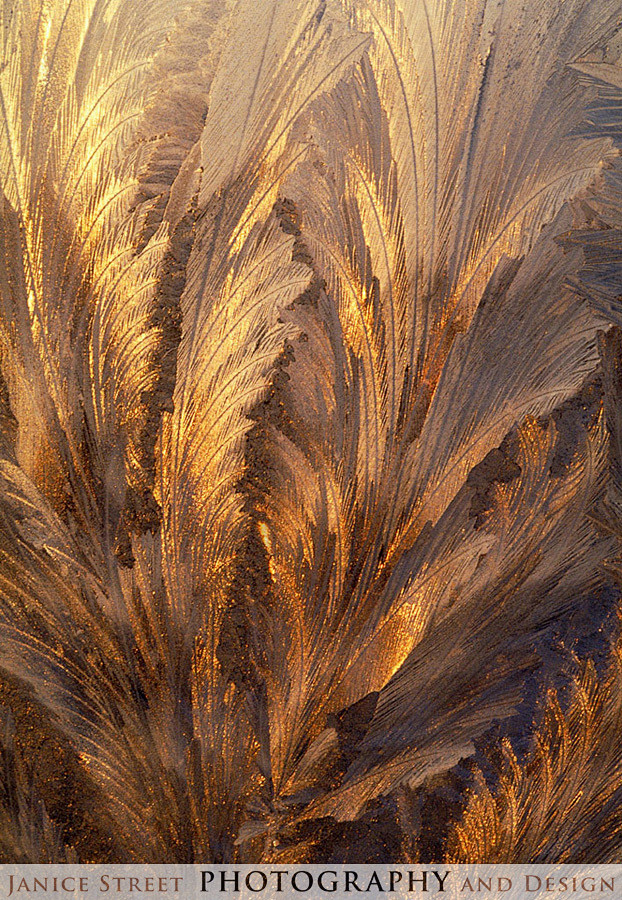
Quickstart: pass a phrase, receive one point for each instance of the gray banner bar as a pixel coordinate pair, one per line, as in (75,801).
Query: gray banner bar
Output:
(313,882)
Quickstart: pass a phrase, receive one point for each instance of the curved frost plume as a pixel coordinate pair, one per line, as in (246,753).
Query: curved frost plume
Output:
(561,800)
(561,803)
(417,500)
(303,449)
(142,282)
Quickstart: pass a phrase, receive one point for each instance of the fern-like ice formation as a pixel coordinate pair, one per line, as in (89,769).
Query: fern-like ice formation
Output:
(561,804)
(308,398)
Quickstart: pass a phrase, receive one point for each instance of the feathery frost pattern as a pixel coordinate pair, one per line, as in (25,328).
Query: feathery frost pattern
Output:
(575,761)
(310,429)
